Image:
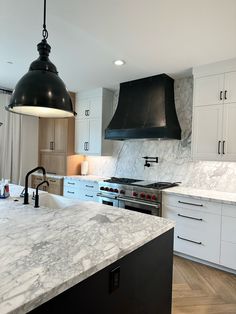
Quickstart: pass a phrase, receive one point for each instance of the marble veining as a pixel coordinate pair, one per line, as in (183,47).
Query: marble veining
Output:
(45,251)
(209,195)
(87,178)
(175,162)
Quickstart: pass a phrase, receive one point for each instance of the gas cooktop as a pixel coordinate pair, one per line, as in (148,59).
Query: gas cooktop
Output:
(141,183)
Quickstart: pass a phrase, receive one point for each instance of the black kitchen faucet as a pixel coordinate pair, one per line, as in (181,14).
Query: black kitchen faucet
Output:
(26,195)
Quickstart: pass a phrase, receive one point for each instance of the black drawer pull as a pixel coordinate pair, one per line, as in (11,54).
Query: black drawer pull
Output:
(186,203)
(199,219)
(225,96)
(223,148)
(89,195)
(219,147)
(70,192)
(189,240)
(71,183)
(89,186)
(221,92)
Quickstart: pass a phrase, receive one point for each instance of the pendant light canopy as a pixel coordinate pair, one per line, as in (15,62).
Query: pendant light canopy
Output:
(41,92)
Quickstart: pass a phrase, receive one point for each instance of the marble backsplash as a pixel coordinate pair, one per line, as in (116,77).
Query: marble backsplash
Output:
(175,163)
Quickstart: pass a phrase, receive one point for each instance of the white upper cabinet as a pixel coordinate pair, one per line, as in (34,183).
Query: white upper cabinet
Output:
(230,87)
(208,132)
(209,90)
(214,112)
(94,111)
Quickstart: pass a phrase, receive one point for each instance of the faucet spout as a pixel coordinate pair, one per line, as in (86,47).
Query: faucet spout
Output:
(26,195)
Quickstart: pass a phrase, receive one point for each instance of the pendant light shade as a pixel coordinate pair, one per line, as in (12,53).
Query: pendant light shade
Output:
(41,92)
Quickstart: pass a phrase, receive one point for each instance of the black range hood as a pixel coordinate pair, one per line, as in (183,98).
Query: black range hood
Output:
(146,109)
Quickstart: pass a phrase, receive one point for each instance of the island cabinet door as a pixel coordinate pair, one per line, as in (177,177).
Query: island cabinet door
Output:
(139,283)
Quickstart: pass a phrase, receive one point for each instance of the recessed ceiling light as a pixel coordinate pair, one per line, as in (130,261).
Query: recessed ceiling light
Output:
(119,62)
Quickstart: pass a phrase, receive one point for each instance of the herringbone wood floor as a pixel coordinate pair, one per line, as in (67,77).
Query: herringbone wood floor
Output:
(199,289)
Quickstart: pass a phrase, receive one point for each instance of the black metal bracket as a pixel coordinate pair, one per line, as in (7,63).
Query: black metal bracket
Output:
(148,160)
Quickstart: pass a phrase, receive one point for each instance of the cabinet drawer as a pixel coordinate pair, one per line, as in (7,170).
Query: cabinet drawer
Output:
(70,192)
(88,185)
(71,182)
(53,181)
(229,210)
(88,196)
(192,203)
(228,229)
(196,233)
(228,254)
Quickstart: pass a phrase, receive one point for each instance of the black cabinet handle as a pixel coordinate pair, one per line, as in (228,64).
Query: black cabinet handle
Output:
(70,192)
(225,96)
(87,146)
(50,180)
(51,145)
(89,195)
(71,183)
(189,240)
(88,112)
(221,94)
(223,148)
(190,217)
(186,203)
(219,147)
(89,186)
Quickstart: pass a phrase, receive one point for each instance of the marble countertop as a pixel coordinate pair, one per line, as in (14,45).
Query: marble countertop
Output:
(211,195)
(43,251)
(88,178)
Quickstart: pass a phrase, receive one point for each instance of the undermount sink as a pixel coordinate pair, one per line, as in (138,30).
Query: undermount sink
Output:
(55,201)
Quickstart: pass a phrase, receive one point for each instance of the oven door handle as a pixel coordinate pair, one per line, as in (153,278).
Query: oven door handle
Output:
(138,202)
(106,196)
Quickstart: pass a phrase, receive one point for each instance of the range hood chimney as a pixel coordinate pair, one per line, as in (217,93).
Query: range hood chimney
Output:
(146,109)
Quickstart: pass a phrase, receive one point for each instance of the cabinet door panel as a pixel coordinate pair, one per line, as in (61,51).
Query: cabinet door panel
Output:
(60,139)
(82,108)
(95,137)
(229,132)
(207,90)
(81,136)
(95,110)
(46,135)
(207,132)
(53,163)
(230,87)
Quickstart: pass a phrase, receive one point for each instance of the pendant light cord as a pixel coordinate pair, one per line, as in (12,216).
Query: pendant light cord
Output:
(45,32)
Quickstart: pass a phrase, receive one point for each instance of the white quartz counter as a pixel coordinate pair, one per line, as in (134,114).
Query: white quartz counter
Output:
(222,197)
(46,251)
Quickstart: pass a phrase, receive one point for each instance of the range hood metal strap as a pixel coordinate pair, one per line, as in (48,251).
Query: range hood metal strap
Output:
(137,202)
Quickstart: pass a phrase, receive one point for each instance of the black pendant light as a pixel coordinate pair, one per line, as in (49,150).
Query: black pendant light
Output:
(41,92)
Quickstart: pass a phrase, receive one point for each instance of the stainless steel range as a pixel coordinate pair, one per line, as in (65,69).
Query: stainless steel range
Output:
(132,194)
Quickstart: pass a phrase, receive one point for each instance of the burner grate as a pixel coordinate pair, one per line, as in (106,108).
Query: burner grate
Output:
(121,180)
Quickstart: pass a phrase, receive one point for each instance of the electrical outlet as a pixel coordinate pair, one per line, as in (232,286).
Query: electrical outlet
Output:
(114,279)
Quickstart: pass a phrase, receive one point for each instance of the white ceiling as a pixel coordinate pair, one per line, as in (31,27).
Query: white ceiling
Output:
(152,36)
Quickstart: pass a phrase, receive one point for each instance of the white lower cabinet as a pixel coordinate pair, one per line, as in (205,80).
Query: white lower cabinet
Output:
(228,236)
(197,231)
(81,189)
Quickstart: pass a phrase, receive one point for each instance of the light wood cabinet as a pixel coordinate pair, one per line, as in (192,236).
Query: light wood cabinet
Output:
(94,110)
(214,113)
(55,184)
(56,146)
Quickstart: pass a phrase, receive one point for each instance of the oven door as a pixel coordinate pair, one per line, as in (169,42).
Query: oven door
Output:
(140,206)
(107,200)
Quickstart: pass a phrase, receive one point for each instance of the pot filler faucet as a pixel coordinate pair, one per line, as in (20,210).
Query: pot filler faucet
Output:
(26,195)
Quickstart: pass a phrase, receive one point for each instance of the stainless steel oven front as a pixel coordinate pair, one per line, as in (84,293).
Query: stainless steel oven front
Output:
(150,208)
(108,200)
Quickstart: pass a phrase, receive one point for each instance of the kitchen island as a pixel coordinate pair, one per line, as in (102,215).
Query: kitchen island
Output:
(83,257)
